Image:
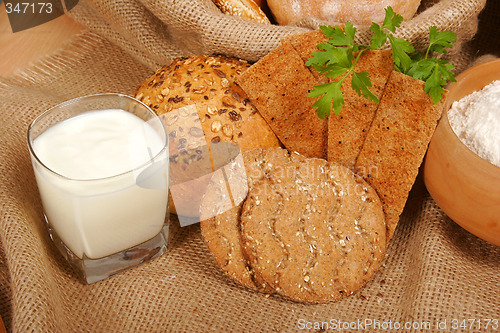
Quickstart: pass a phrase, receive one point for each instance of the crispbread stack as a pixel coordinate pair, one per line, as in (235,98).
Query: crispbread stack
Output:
(309,230)
(384,143)
(221,231)
(348,130)
(278,84)
(314,229)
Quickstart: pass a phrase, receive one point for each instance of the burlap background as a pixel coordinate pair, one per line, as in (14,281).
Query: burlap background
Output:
(434,270)
(154,31)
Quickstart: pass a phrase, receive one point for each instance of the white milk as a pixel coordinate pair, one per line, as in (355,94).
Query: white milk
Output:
(97,216)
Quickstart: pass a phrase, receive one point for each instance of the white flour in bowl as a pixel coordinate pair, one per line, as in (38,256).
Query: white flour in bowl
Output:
(476,121)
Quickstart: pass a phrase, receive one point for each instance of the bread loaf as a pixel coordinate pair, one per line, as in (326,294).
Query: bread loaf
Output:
(358,12)
(212,109)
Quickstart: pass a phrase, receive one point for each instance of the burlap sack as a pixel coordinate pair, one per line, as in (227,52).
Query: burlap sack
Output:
(435,274)
(154,31)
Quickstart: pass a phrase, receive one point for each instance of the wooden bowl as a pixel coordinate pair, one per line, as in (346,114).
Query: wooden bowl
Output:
(465,186)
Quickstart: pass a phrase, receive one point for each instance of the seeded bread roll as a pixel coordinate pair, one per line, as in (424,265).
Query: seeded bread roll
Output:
(248,9)
(358,12)
(204,85)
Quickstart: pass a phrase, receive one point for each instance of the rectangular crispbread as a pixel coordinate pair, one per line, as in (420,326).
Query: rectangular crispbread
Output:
(347,131)
(305,44)
(396,143)
(278,85)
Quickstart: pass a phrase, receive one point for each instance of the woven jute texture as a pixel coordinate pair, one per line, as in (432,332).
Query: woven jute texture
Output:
(154,31)
(433,271)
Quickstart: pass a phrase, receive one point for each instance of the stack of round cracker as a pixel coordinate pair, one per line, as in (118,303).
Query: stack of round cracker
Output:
(309,230)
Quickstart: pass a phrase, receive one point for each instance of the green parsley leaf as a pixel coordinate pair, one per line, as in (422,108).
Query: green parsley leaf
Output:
(439,41)
(337,59)
(436,73)
(400,50)
(360,83)
(391,20)
(335,70)
(330,92)
(421,69)
(434,86)
(343,56)
(319,60)
(337,37)
(378,38)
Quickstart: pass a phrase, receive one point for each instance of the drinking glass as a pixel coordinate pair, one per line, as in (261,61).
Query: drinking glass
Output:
(105,225)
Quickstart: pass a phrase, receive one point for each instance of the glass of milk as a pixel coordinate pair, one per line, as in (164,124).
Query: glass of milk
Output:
(101,166)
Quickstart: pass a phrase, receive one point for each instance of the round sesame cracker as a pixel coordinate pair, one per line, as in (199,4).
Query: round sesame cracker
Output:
(313,230)
(220,226)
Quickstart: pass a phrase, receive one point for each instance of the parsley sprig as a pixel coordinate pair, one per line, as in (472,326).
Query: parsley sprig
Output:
(436,72)
(338,60)
(339,56)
